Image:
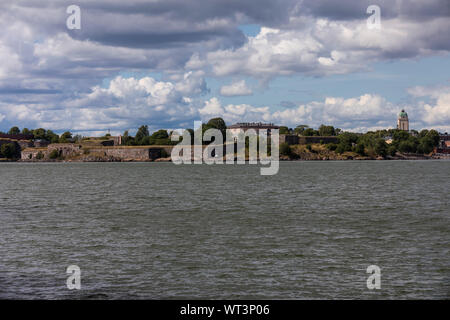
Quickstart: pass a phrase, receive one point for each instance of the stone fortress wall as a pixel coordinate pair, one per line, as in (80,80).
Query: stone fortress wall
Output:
(118,153)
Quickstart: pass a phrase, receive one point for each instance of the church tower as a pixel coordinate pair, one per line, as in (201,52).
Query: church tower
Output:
(402,121)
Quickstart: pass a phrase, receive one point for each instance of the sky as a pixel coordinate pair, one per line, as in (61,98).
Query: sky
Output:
(168,63)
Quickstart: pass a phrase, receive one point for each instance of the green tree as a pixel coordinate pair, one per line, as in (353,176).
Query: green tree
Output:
(51,136)
(8,150)
(426,145)
(285,149)
(160,137)
(391,150)
(127,140)
(299,129)
(400,135)
(341,148)
(326,130)
(310,132)
(284,130)
(39,134)
(54,154)
(407,146)
(423,133)
(142,134)
(160,134)
(219,124)
(434,136)
(359,149)
(65,137)
(346,141)
(14,130)
(381,147)
(26,131)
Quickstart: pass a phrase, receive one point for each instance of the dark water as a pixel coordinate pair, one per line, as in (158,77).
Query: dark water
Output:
(157,231)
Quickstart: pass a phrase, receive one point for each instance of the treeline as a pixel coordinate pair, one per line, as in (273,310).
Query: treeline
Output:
(43,134)
(163,137)
(305,130)
(144,138)
(374,143)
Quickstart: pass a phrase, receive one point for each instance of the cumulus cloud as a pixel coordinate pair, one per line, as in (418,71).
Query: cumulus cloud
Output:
(127,103)
(359,114)
(53,77)
(436,111)
(321,47)
(238,88)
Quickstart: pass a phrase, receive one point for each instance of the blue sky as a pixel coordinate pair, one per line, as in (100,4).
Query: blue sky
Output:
(168,63)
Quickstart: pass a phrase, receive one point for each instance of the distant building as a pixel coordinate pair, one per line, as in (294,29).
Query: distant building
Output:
(117,140)
(402,121)
(257,126)
(41,143)
(444,144)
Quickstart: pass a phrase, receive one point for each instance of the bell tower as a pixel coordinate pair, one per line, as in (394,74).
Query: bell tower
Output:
(402,121)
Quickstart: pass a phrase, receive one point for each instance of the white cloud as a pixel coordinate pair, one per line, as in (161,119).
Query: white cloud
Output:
(128,103)
(125,103)
(238,88)
(10,62)
(211,108)
(360,114)
(437,110)
(186,41)
(324,47)
(364,112)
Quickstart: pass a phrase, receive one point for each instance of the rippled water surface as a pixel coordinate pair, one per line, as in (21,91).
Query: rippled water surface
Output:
(160,231)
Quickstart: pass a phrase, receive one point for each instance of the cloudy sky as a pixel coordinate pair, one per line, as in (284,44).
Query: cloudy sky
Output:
(166,63)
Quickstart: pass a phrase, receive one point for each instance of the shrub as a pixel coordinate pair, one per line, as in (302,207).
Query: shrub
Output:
(40,155)
(425,146)
(8,150)
(331,146)
(54,154)
(381,147)
(340,149)
(359,149)
(285,149)
(391,150)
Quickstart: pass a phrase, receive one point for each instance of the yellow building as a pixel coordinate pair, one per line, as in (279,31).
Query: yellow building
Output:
(402,121)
